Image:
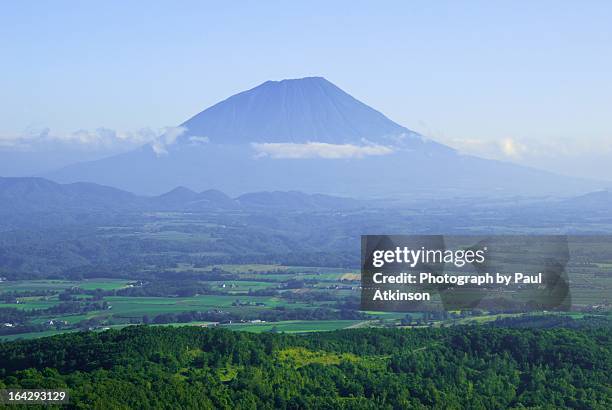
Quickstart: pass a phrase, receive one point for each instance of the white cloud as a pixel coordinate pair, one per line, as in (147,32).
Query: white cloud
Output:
(512,148)
(318,150)
(195,140)
(522,149)
(100,139)
(167,138)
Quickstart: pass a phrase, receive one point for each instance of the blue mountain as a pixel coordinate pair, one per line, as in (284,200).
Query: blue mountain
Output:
(302,110)
(311,136)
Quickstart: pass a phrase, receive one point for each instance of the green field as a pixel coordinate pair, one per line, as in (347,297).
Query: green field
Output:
(34,302)
(126,306)
(241,286)
(119,303)
(295,326)
(46,333)
(88,284)
(289,326)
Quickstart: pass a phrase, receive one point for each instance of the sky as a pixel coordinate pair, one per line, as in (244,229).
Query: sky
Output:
(528,82)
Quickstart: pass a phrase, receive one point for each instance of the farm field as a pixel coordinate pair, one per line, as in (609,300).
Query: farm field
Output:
(33,285)
(254,297)
(295,326)
(289,326)
(116,310)
(236,294)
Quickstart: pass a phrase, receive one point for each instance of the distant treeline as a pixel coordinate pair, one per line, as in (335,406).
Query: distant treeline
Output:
(277,314)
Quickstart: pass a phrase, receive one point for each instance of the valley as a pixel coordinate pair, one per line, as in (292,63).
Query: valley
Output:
(245,269)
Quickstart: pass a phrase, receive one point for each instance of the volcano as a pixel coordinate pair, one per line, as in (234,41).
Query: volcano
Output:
(299,111)
(308,135)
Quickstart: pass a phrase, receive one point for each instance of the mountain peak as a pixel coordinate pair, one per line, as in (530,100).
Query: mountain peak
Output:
(181,192)
(310,109)
(316,80)
(304,79)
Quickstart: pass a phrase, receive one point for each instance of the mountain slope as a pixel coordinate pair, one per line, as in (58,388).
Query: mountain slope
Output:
(28,194)
(301,110)
(593,201)
(182,198)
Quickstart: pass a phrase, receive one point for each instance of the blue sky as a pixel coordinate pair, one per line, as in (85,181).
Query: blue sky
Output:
(524,81)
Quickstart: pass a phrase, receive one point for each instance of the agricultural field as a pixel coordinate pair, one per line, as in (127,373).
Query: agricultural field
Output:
(253,298)
(247,297)
(296,326)
(294,272)
(32,285)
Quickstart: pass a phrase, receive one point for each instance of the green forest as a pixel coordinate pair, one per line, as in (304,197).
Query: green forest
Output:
(478,367)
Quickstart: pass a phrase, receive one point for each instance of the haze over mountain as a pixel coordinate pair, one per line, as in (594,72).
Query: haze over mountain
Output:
(39,194)
(26,195)
(309,135)
(39,201)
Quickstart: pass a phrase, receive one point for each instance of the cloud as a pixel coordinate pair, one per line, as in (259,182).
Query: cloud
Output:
(512,148)
(100,139)
(195,140)
(167,138)
(524,149)
(318,150)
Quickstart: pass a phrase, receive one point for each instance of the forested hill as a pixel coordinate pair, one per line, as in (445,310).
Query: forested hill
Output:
(39,195)
(476,367)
